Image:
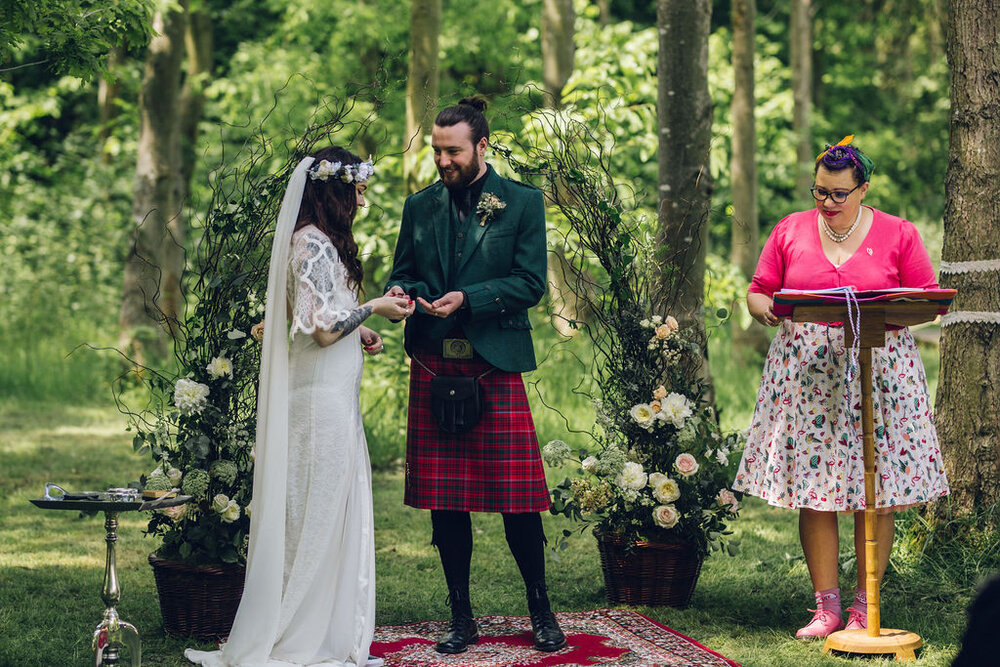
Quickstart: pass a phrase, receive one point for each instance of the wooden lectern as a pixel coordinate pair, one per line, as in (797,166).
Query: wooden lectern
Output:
(874,316)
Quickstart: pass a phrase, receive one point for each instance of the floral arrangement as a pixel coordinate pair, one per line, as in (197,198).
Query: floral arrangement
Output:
(351,173)
(489,206)
(660,471)
(199,420)
(654,465)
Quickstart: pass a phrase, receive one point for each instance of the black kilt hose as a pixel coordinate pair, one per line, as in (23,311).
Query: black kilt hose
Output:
(495,467)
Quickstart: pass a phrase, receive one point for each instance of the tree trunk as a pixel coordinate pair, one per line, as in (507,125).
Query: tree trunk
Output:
(148,300)
(107,100)
(684,119)
(801,34)
(968,397)
(557,46)
(421,84)
(745,246)
(558,51)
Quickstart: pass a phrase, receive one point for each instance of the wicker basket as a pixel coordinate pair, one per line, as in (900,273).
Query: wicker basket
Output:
(648,573)
(197,601)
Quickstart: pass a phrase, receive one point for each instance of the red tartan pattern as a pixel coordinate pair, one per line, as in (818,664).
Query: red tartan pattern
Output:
(495,467)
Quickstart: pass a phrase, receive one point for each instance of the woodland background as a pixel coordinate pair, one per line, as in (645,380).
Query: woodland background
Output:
(122,112)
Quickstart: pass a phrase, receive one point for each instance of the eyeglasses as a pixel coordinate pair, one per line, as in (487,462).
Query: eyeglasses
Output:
(838,196)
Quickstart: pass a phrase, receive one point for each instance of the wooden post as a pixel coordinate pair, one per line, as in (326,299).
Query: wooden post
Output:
(871,331)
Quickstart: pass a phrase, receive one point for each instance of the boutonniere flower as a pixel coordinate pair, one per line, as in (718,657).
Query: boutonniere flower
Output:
(489,206)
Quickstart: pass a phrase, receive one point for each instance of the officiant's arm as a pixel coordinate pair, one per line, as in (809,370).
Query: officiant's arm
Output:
(524,285)
(760,306)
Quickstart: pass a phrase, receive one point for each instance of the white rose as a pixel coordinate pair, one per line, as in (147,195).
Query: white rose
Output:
(220,502)
(190,397)
(218,367)
(656,319)
(666,516)
(655,478)
(642,413)
(727,497)
(675,408)
(589,464)
(686,464)
(231,513)
(175,476)
(632,476)
(667,491)
(644,323)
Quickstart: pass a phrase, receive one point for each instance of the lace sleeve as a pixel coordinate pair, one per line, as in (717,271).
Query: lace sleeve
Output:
(317,284)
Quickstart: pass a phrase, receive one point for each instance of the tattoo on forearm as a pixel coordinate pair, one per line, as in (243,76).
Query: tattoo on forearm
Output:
(352,322)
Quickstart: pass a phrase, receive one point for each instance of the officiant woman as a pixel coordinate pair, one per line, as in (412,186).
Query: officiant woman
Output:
(804,450)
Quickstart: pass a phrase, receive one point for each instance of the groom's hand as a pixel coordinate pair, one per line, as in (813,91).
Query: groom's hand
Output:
(444,306)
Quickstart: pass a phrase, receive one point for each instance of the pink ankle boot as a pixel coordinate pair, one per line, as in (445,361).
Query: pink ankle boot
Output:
(857,619)
(822,624)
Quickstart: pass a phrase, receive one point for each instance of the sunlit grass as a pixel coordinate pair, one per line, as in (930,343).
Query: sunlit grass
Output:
(748,607)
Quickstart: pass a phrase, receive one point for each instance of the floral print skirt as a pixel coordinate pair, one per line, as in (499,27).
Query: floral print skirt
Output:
(804,447)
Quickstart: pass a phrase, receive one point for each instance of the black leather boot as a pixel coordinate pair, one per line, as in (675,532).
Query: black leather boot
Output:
(462,631)
(548,636)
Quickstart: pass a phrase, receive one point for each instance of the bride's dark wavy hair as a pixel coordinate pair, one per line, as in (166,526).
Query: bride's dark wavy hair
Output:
(331,206)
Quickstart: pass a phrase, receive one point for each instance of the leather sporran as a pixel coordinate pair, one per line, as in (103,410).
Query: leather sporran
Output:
(456,402)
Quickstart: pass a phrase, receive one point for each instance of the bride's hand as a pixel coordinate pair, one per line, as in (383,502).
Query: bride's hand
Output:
(392,307)
(371,341)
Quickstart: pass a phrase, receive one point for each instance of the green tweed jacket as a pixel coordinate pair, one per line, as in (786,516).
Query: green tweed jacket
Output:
(501,268)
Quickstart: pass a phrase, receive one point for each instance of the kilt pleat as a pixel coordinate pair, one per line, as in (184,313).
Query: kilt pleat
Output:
(495,467)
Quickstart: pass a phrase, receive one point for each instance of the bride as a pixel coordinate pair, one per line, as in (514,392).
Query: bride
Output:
(309,597)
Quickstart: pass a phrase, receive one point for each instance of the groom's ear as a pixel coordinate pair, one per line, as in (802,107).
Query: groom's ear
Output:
(481,146)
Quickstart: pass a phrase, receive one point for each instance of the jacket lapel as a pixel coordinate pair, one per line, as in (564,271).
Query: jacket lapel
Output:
(479,226)
(441,223)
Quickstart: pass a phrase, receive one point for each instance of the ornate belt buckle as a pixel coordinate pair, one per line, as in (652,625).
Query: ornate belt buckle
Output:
(456,348)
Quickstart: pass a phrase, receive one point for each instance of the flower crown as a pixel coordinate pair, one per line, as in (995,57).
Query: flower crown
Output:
(349,173)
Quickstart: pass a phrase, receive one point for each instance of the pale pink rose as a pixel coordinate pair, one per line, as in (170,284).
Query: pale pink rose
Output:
(175,513)
(660,393)
(662,332)
(727,497)
(671,324)
(655,406)
(666,516)
(686,465)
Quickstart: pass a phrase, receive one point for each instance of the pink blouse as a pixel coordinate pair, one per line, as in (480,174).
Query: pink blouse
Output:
(892,255)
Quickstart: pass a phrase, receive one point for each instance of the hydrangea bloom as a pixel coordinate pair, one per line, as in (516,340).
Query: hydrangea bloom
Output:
(195,483)
(555,452)
(224,470)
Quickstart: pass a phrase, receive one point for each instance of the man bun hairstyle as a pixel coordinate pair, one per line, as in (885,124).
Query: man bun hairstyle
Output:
(468,110)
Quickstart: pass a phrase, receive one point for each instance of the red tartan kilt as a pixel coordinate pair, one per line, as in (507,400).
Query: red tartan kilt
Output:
(495,467)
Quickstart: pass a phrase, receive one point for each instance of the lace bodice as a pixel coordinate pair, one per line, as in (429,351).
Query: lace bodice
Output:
(318,291)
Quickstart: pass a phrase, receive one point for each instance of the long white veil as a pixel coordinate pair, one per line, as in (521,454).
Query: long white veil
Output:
(256,625)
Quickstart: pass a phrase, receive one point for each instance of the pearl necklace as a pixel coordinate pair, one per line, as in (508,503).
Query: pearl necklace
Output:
(836,237)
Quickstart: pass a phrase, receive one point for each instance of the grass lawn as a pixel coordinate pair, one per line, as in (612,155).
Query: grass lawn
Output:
(52,563)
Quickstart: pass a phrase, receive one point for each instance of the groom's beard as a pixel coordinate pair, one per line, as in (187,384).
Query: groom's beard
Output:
(456,177)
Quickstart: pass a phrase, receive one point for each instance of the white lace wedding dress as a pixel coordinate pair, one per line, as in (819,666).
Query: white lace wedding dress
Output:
(326,614)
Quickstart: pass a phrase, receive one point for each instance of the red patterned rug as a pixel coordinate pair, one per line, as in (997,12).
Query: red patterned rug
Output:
(599,637)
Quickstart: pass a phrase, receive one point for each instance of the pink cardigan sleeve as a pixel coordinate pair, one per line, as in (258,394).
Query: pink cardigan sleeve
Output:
(770,272)
(915,268)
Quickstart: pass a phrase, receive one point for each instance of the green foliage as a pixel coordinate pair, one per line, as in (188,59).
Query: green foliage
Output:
(746,608)
(71,36)
(658,469)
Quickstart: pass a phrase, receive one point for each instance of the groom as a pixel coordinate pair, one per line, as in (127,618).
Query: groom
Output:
(471,251)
